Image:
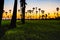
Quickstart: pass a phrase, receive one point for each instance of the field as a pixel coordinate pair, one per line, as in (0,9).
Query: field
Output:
(33,30)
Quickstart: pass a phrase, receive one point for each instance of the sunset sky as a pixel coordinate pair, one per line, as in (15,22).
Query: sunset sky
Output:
(47,5)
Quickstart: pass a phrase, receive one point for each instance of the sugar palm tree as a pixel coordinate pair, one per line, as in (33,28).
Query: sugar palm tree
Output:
(57,9)
(22,4)
(46,16)
(26,14)
(39,12)
(30,11)
(13,20)
(9,11)
(33,9)
(36,14)
(1,12)
(42,13)
(18,10)
(6,13)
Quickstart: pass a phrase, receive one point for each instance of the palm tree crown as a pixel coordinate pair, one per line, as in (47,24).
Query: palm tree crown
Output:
(42,11)
(57,8)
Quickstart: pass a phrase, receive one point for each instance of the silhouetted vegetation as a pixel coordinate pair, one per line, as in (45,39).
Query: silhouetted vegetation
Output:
(23,3)
(13,20)
(2,32)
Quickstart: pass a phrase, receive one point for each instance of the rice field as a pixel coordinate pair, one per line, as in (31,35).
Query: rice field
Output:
(33,30)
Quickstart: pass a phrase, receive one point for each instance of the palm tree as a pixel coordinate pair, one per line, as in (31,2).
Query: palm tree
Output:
(22,3)
(18,10)
(42,13)
(30,11)
(46,16)
(33,9)
(39,12)
(26,14)
(36,14)
(13,20)
(6,13)
(57,9)
(9,11)
(1,12)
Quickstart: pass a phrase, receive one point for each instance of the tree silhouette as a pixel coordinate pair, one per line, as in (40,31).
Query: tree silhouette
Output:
(42,13)
(39,12)
(2,32)
(6,13)
(33,9)
(26,14)
(57,9)
(9,11)
(18,10)
(46,16)
(22,3)
(13,20)
(30,11)
(36,14)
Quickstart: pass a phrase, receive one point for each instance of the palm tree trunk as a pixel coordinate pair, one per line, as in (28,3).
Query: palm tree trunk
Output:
(23,16)
(13,20)
(23,11)
(39,15)
(1,12)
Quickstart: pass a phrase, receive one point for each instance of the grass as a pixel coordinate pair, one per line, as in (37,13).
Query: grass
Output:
(33,30)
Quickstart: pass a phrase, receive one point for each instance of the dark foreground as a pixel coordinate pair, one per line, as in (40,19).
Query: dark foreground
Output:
(33,30)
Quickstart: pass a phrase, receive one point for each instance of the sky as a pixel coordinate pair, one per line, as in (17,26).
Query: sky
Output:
(47,5)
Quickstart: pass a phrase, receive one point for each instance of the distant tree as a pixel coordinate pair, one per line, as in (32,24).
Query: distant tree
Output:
(13,20)
(25,14)
(33,9)
(36,14)
(39,12)
(2,32)
(9,11)
(39,9)
(22,4)
(30,11)
(46,16)
(57,9)
(6,13)
(36,9)
(18,10)
(42,13)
